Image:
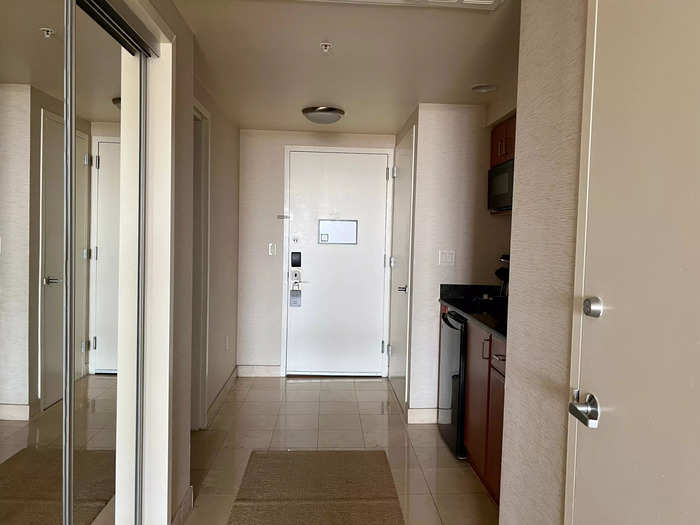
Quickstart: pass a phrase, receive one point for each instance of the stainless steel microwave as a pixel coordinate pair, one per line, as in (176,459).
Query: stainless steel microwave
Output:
(501,187)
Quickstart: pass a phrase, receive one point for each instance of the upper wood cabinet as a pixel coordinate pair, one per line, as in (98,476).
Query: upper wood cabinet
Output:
(503,142)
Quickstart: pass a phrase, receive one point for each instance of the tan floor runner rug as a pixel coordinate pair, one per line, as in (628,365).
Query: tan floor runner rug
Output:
(30,486)
(317,487)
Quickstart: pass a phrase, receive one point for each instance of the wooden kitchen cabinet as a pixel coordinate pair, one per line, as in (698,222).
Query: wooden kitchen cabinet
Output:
(503,142)
(494,440)
(476,395)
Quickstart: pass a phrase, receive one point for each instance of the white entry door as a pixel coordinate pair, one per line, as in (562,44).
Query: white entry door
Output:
(639,252)
(104,292)
(335,297)
(402,212)
(52,260)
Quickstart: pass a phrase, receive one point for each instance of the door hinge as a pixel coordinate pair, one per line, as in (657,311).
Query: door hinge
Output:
(382,346)
(94,342)
(97,162)
(93,254)
(86,160)
(387,173)
(388,350)
(394,172)
(87,253)
(83,346)
(392,261)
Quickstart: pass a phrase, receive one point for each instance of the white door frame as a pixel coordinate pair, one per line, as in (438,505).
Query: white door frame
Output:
(202,407)
(389,152)
(92,300)
(579,262)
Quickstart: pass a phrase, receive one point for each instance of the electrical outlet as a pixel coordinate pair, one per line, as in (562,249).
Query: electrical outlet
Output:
(446,257)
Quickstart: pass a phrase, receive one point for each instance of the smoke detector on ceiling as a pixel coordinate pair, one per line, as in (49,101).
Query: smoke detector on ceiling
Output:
(48,32)
(323,114)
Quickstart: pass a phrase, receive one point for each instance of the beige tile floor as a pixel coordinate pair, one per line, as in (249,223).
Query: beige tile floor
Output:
(274,413)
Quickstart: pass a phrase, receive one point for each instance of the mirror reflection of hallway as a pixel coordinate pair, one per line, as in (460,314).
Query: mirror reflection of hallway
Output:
(32,255)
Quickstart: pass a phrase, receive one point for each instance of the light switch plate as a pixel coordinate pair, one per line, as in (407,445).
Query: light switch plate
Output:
(446,257)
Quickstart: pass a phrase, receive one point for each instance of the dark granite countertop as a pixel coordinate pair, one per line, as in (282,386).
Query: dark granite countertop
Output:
(469,300)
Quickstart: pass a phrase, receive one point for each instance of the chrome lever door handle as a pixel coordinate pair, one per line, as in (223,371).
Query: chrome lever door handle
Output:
(402,289)
(587,412)
(52,280)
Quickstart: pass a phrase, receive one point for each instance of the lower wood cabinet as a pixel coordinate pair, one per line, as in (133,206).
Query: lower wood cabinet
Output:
(476,396)
(484,398)
(494,436)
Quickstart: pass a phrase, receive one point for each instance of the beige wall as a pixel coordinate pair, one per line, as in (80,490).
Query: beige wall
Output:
(261,200)
(550,87)
(14,236)
(223,257)
(105,129)
(451,212)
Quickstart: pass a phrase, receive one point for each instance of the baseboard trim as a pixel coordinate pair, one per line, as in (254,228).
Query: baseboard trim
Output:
(216,404)
(421,416)
(185,507)
(15,412)
(258,370)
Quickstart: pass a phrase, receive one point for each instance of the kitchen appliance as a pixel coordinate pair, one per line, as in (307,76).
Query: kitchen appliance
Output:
(503,273)
(451,384)
(501,187)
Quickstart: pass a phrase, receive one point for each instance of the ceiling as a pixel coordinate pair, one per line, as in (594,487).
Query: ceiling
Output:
(26,57)
(262,60)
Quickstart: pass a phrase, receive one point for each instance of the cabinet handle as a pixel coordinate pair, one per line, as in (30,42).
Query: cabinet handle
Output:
(487,340)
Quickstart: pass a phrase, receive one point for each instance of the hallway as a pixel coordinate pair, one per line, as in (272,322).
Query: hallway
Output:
(315,414)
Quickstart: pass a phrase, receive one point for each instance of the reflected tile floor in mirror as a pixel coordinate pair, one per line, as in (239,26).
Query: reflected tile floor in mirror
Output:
(308,414)
(30,456)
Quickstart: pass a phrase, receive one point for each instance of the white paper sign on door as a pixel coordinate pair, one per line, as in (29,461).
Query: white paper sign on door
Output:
(336,231)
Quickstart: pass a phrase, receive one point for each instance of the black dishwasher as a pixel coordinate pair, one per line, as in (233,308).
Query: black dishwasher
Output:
(451,384)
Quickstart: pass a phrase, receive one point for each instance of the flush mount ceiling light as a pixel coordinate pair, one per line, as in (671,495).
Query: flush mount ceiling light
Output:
(323,114)
(484,88)
(486,5)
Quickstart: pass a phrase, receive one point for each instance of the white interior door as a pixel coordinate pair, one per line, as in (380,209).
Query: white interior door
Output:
(81,263)
(402,222)
(337,205)
(104,291)
(51,260)
(640,253)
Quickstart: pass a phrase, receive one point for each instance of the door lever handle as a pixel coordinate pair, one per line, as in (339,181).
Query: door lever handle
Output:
(52,280)
(587,412)
(402,289)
